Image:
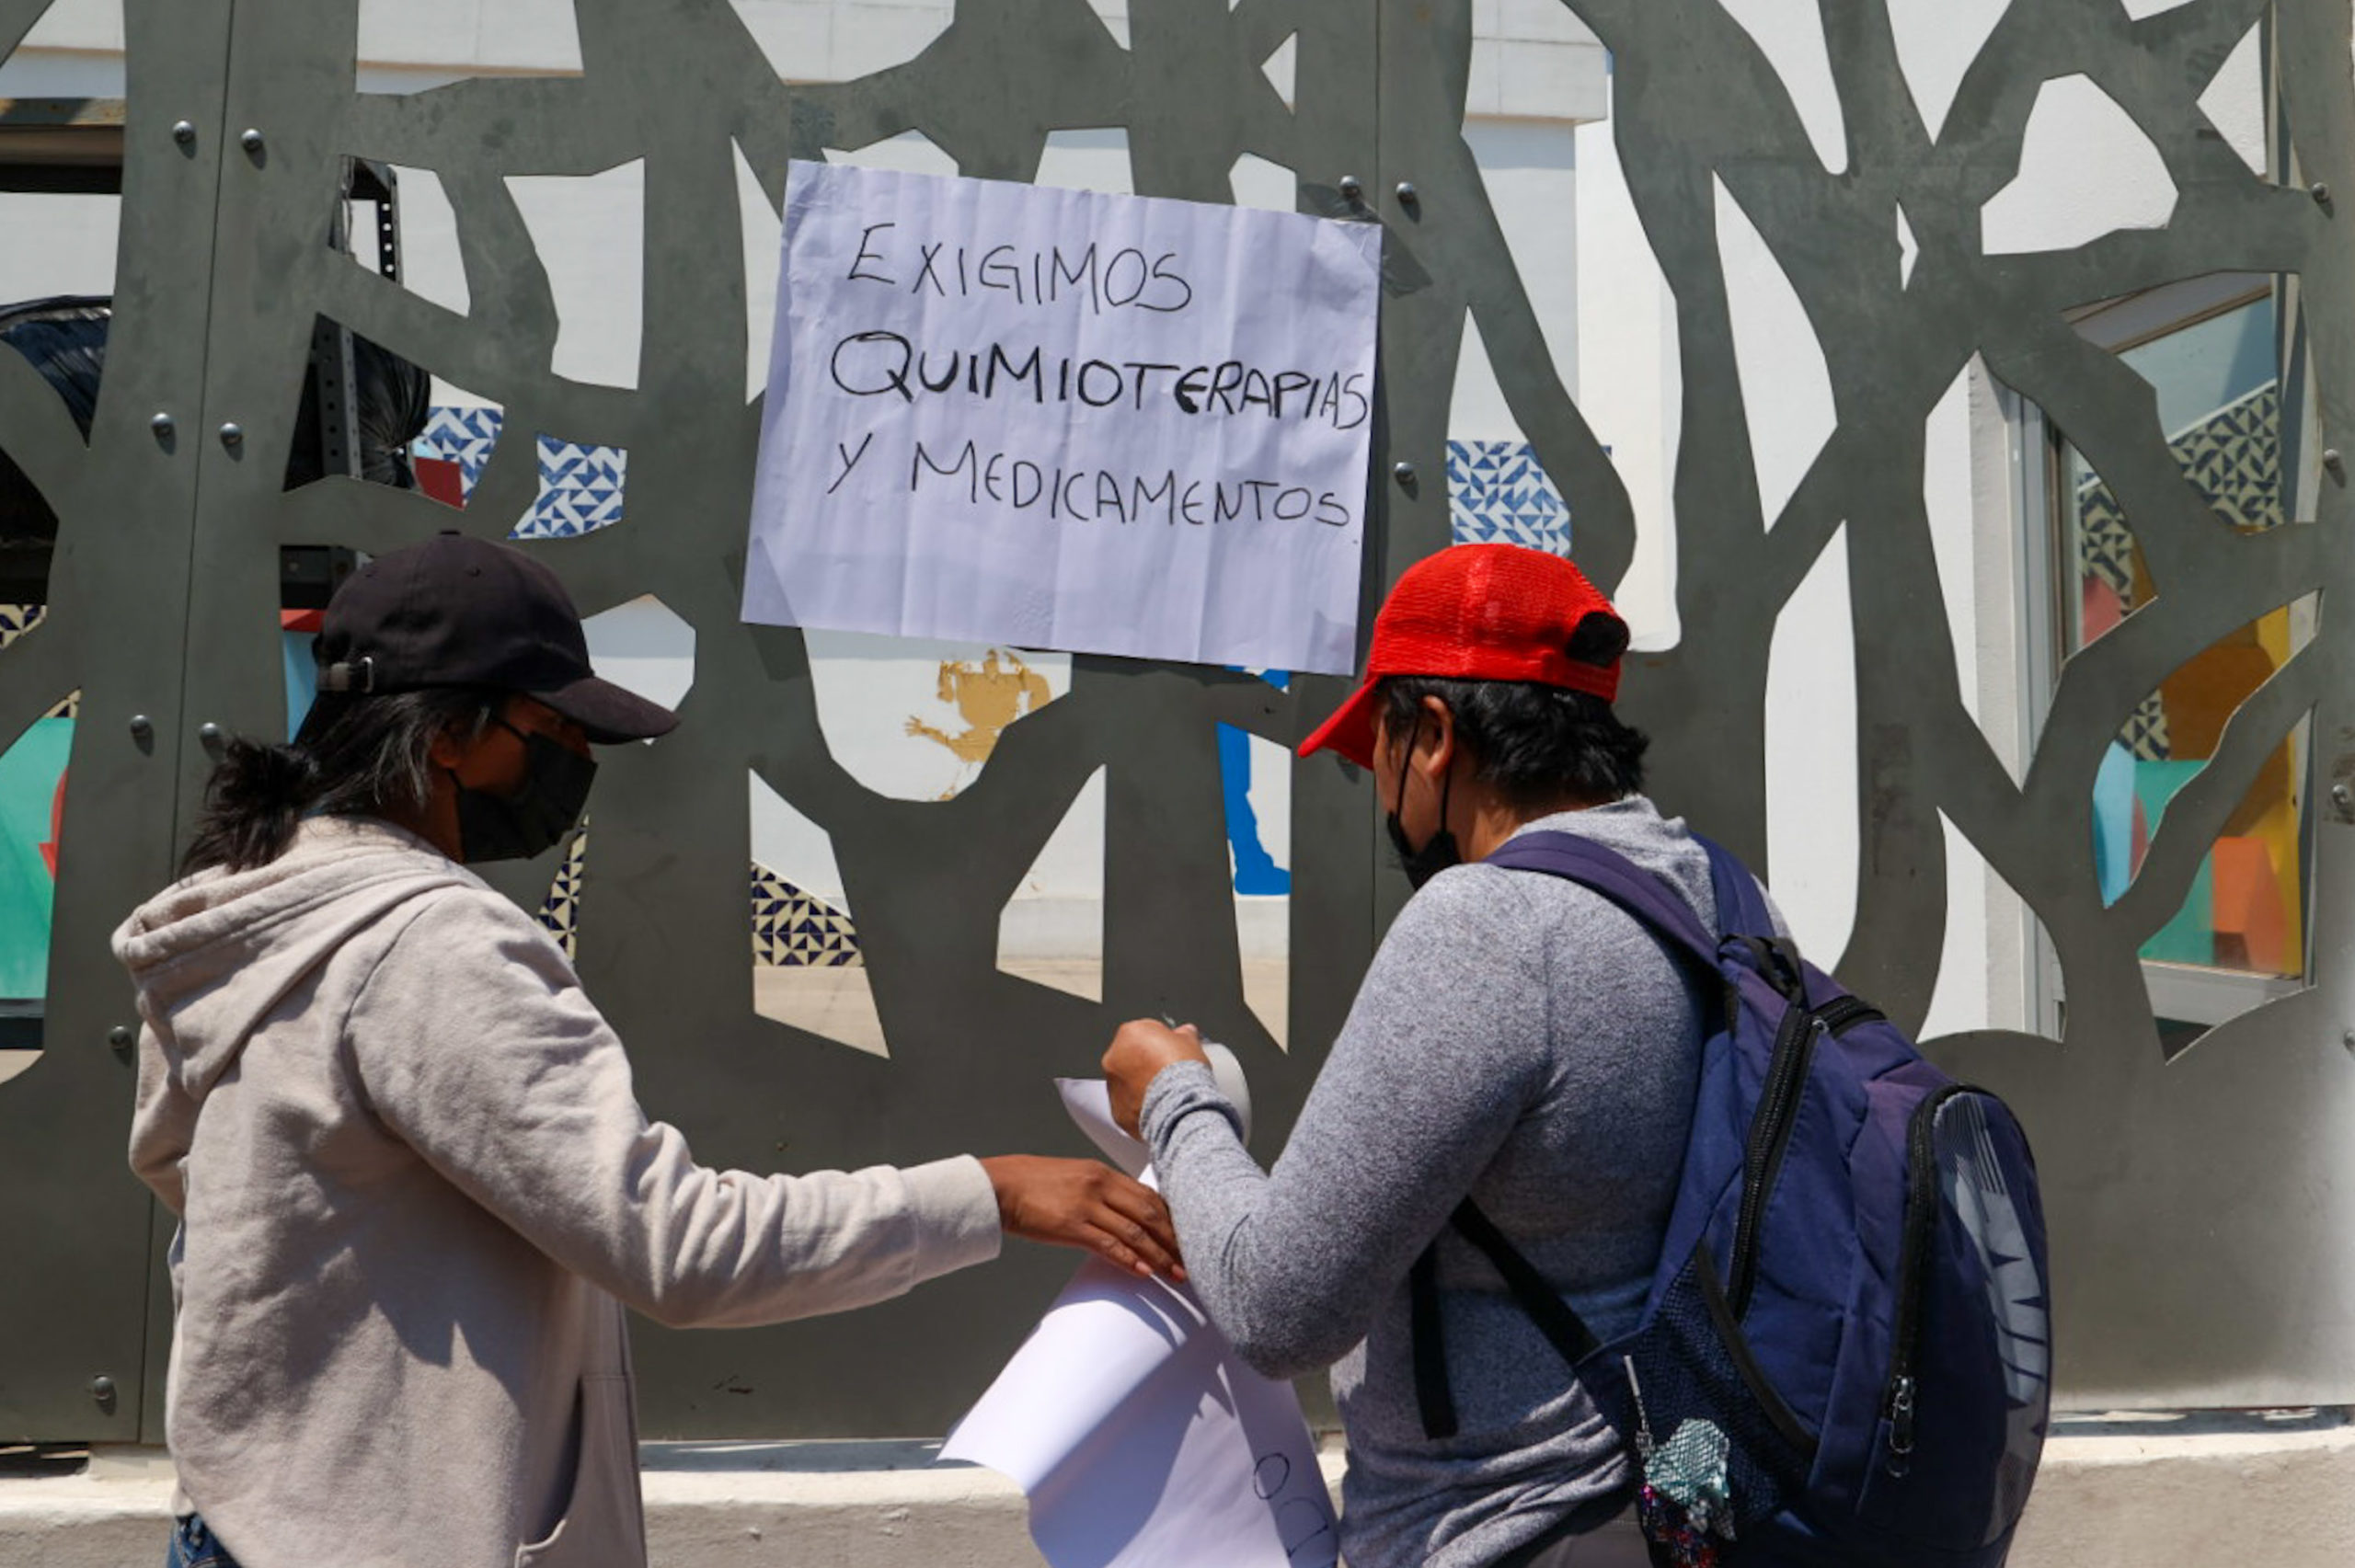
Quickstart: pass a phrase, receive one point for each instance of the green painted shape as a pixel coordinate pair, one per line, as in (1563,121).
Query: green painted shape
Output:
(30,772)
(2190,936)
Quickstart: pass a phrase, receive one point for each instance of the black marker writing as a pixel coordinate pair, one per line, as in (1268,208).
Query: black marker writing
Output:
(866,254)
(1094,495)
(873,368)
(850,460)
(1126,279)
(872,363)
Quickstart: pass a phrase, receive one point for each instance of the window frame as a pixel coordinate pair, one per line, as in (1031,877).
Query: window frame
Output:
(2185,993)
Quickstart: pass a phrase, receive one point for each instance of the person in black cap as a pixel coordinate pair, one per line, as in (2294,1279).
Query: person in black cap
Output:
(455,699)
(415,1188)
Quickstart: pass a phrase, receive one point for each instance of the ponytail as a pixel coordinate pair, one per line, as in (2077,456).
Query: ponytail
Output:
(359,754)
(256,797)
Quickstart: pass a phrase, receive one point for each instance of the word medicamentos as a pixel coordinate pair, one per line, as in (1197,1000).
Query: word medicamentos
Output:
(1093,495)
(881,363)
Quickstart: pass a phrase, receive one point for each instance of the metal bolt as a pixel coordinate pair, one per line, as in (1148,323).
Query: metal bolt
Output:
(1404,472)
(210,734)
(2320,192)
(250,140)
(2334,461)
(184,133)
(232,434)
(2347,1040)
(121,1039)
(163,426)
(2344,798)
(1407,194)
(1351,187)
(142,726)
(102,1392)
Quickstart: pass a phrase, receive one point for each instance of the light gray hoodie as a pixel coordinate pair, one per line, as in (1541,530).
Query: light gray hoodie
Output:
(415,1190)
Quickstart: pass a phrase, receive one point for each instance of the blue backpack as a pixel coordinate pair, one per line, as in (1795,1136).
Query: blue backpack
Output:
(1844,1356)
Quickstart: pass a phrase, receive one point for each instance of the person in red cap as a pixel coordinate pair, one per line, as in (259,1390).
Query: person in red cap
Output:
(415,1188)
(1517,1040)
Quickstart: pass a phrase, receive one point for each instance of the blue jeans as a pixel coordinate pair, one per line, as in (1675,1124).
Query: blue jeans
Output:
(193,1547)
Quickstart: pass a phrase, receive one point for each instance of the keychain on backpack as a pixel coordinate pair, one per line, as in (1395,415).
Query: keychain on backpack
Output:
(1684,1505)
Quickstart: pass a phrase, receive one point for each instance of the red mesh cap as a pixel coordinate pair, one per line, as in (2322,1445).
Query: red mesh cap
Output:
(1476,612)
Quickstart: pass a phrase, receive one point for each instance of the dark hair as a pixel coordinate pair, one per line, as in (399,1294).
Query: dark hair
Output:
(1531,742)
(358,753)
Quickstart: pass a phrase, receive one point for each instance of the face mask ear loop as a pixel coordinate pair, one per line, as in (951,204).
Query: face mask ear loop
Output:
(1446,792)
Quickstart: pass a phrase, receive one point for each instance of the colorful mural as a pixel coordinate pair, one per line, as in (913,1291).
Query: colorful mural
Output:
(2243,912)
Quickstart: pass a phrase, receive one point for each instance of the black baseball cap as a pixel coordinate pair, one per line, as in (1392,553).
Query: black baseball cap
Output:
(461,612)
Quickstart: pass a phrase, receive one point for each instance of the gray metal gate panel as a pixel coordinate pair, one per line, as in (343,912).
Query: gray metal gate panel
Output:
(662,935)
(2206,1277)
(2244,1302)
(73,1225)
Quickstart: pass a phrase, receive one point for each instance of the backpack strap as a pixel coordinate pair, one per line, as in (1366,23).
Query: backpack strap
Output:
(1563,1328)
(1741,906)
(1555,1318)
(1743,916)
(1432,1395)
(1642,894)
(1656,905)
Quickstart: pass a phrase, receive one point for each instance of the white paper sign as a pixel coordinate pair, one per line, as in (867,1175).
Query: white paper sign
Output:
(1054,418)
(1139,1437)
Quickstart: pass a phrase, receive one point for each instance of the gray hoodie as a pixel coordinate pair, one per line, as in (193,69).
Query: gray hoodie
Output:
(415,1190)
(1517,1038)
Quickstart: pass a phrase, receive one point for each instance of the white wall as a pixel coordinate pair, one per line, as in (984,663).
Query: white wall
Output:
(1529,169)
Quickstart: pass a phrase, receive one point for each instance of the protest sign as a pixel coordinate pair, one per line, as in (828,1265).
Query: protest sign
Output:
(1056,418)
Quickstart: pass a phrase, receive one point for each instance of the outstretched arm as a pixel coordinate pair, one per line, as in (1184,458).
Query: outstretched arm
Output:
(496,1069)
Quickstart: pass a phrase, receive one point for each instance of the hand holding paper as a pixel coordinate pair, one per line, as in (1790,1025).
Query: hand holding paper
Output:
(1078,1203)
(1136,1056)
(1139,1437)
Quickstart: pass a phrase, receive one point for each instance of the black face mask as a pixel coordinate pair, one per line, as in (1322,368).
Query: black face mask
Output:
(1438,851)
(540,812)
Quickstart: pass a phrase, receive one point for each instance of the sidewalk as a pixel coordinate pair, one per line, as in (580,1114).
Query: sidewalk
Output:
(2189,1491)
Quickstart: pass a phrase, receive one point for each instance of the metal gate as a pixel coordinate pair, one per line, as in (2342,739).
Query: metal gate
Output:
(2198,1188)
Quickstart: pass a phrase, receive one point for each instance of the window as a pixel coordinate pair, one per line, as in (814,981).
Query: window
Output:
(2213,350)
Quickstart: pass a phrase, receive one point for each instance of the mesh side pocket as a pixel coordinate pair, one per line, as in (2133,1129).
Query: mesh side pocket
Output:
(1686,1371)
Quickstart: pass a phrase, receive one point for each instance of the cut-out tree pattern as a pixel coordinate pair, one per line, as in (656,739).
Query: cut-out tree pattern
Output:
(222,275)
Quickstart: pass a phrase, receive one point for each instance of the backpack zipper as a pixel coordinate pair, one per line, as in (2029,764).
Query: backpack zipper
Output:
(1770,1133)
(1921,1223)
(1844,1012)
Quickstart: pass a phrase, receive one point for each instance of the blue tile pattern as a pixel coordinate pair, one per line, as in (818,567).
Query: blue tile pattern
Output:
(1497,493)
(580,485)
(464,436)
(580,490)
